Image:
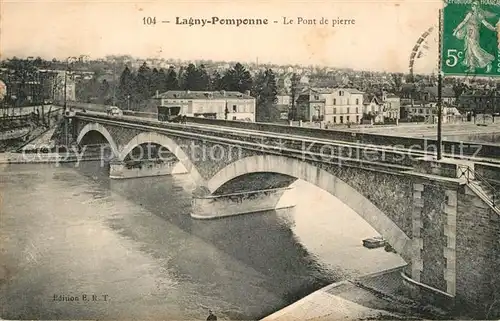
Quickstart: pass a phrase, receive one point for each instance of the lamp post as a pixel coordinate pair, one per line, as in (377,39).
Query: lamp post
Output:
(493,101)
(65,99)
(69,61)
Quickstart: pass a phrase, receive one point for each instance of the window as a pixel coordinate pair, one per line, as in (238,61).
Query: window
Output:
(341,93)
(357,103)
(334,101)
(357,110)
(348,118)
(420,111)
(334,119)
(316,97)
(234,117)
(357,119)
(348,111)
(341,119)
(234,108)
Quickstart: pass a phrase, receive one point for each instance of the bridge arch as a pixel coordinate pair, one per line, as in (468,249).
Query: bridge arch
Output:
(103,131)
(172,146)
(324,180)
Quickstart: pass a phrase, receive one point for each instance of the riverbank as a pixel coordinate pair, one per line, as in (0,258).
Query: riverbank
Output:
(376,296)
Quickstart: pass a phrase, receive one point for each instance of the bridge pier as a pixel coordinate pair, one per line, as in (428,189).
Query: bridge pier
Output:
(217,206)
(144,168)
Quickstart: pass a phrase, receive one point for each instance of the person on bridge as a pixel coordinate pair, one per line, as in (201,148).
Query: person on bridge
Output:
(211,316)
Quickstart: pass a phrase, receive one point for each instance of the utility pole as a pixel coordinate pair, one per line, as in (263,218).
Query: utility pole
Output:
(65,87)
(440,90)
(114,83)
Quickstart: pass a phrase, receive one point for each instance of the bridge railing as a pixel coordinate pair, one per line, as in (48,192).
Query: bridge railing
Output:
(470,175)
(450,147)
(303,147)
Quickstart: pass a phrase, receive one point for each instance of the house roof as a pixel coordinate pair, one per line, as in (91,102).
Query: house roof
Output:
(323,90)
(352,90)
(368,98)
(447,91)
(188,94)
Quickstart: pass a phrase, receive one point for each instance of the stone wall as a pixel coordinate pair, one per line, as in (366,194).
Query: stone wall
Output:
(433,238)
(211,207)
(477,253)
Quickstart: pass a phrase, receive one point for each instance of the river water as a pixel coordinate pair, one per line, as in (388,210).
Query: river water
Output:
(70,233)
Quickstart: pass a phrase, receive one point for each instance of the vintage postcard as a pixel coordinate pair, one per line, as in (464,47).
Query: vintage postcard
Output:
(249,160)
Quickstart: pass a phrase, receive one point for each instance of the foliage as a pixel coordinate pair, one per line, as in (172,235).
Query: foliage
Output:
(216,81)
(265,91)
(295,80)
(237,78)
(396,82)
(459,89)
(172,82)
(126,88)
(195,78)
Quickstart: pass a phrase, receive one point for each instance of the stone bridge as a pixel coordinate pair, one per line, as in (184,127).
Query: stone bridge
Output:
(444,230)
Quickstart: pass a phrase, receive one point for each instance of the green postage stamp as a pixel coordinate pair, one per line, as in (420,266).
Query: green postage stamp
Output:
(470,35)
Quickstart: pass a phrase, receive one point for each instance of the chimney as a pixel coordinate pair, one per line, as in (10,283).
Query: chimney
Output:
(223,93)
(247,92)
(188,91)
(157,94)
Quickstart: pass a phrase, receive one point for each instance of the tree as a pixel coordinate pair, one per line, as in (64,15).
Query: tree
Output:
(195,78)
(294,91)
(154,83)
(397,83)
(265,91)
(204,79)
(21,73)
(143,83)
(126,88)
(237,79)
(172,82)
(103,93)
(181,77)
(459,89)
(162,81)
(216,81)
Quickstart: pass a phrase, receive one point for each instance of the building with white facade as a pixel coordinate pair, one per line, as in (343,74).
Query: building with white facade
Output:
(222,104)
(382,108)
(392,108)
(283,105)
(331,105)
(427,112)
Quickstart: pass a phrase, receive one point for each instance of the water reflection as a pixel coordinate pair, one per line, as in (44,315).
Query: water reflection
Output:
(135,241)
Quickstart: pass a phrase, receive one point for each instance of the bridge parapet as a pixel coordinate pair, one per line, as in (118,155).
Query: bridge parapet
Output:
(452,147)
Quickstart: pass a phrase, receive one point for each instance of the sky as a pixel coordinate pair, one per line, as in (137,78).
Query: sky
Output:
(381,39)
